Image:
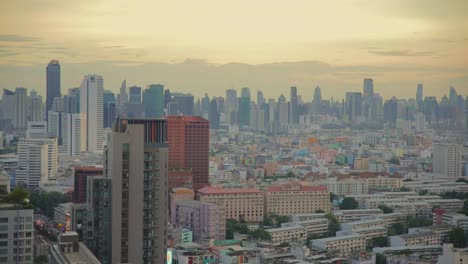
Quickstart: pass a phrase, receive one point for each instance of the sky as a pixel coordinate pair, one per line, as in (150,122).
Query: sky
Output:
(208,46)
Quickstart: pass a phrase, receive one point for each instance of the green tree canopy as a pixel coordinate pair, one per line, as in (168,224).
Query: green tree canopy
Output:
(333,225)
(457,236)
(385,209)
(17,196)
(47,201)
(349,203)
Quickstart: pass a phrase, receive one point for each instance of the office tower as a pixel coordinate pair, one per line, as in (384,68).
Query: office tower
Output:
(37,162)
(205,220)
(72,101)
(184,104)
(317,100)
(447,159)
(377,108)
(253,116)
(230,109)
(73,134)
(97,233)
(294,106)
(123,94)
(54,125)
(260,98)
(135,161)
(430,108)
(135,95)
(391,110)
(16,234)
(188,139)
(283,113)
(204,105)
(81,176)
(197,108)
(453,97)
(53,83)
(368,96)
(244,107)
(58,104)
(20,120)
(353,105)
(37,129)
(8,108)
(91,103)
(214,114)
(108,98)
(419,97)
(35,107)
(420,122)
(153,99)
(167,97)
(111,113)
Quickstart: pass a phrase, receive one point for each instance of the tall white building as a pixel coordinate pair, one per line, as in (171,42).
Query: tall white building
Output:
(91,103)
(74,133)
(35,109)
(447,159)
(37,161)
(54,125)
(420,122)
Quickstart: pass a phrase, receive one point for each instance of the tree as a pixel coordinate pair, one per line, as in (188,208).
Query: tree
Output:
(319,211)
(333,197)
(385,209)
(311,237)
(291,174)
(349,203)
(380,259)
(380,241)
(423,192)
(396,229)
(284,244)
(275,220)
(333,225)
(17,196)
(47,201)
(458,238)
(418,221)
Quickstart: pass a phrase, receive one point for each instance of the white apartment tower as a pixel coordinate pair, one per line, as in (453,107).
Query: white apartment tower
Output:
(37,161)
(447,159)
(91,104)
(74,133)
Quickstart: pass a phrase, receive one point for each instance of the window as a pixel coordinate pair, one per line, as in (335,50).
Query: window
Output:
(4,235)
(3,243)
(3,219)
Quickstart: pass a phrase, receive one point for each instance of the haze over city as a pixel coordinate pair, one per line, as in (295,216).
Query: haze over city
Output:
(210,46)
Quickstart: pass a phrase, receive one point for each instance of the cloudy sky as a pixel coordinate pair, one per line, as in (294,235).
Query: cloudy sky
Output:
(211,45)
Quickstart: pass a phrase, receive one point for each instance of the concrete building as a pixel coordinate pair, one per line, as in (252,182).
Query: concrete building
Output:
(314,226)
(344,246)
(69,250)
(175,195)
(37,162)
(81,176)
(206,220)
(20,121)
(240,204)
(53,83)
(294,198)
(416,239)
(454,219)
(74,133)
(288,234)
(345,187)
(136,160)
(192,253)
(345,216)
(37,129)
(447,159)
(453,255)
(16,234)
(91,104)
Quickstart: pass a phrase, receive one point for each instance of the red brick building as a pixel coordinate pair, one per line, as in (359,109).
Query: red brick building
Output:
(188,139)
(81,176)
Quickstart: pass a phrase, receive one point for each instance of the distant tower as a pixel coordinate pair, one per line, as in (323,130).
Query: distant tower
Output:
(447,159)
(419,97)
(91,103)
(368,97)
(123,93)
(260,98)
(294,106)
(316,102)
(53,83)
(244,107)
(135,95)
(20,108)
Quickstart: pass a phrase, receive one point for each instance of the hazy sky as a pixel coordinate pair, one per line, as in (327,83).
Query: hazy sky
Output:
(266,45)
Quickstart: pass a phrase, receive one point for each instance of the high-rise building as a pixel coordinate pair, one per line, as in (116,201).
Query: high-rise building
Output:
(20,121)
(73,134)
(136,162)
(8,108)
(135,95)
(260,98)
(81,181)
(153,99)
(214,114)
(353,105)
(184,104)
(123,94)
(16,234)
(420,122)
(293,106)
(317,100)
(368,96)
(447,159)
(230,110)
(72,101)
(91,103)
(37,162)
(244,107)
(419,97)
(204,105)
(37,129)
(108,98)
(391,110)
(35,107)
(53,83)
(188,139)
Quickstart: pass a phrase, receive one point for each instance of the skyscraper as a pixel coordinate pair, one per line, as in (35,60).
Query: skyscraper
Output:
(21,120)
(353,105)
(188,139)
(135,95)
(184,104)
(123,94)
(73,133)
(53,83)
(135,161)
(108,98)
(260,98)
(214,114)
(91,103)
(447,159)
(317,100)
(419,97)
(231,106)
(72,101)
(244,107)
(153,99)
(294,106)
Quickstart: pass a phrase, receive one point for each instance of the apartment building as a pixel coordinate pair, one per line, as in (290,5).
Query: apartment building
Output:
(314,226)
(289,234)
(417,239)
(345,216)
(240,204)
(342,246)
(296,198)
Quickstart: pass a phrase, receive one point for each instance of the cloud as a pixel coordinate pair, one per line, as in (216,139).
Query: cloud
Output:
(17,38)
(402,53)
(7,53)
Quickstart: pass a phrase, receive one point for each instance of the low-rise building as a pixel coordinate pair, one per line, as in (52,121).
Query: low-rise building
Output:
(453,255)
(454,219)
(315,226)
(69,250)
(288,234)
(341,245)
(192,253)
(345,216)
(417,239)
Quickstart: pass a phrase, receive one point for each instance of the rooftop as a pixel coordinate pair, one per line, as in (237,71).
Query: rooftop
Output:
(218,190)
